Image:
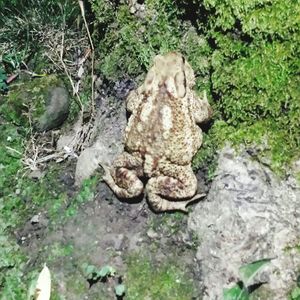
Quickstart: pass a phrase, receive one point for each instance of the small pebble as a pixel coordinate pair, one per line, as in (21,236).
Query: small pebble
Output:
(152,234)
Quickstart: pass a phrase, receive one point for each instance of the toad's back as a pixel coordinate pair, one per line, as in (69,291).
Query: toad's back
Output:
(163,127)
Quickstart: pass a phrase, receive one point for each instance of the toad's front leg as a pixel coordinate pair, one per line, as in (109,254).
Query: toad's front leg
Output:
(123,176)
(173,190)
(201,108)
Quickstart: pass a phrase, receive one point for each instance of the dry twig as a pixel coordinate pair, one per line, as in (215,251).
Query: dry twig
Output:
(35,152)
(81,5)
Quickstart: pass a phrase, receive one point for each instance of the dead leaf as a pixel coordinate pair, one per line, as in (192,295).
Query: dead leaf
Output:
(80,72)
(43,285)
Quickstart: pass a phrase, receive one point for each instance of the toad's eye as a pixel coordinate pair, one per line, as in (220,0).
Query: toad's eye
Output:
(180,84)
(149,80)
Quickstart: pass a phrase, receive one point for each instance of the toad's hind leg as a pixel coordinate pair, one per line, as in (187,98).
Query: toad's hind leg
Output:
(123,176)
(174,190)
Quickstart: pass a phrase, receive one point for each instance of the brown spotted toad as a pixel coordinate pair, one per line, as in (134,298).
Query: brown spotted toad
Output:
(161,137)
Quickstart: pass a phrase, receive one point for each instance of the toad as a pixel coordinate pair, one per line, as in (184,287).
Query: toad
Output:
(161,137)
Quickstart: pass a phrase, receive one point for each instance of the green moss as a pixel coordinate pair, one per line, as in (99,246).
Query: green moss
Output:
(255,82)
(128,43)
(11,150)
(85,194)
(25,101)
(270,143)
(261,17)
(170,223)
(144,280)
(77,285)
(12,261)
(255,79)
(58,250)
(251,86)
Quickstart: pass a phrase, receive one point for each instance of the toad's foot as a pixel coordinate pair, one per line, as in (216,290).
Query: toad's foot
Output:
(174,190)
(159,204)
(124,183)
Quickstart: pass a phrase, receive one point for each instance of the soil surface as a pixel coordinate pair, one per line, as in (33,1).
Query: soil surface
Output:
(106,231)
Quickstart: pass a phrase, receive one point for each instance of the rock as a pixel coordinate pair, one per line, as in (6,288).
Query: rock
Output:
(118,241)
(250,214)
(42,103)
(137,9)
(87,163)
(56,109)
(36,174)
(108,137)
(35,219)
(67,139)
(123,87)
(152,234)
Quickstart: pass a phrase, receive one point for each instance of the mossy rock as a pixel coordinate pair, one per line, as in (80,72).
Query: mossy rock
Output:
(43,103)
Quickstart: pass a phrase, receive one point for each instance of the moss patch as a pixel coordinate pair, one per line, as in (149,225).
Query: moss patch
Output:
(26,101)
(145,280)
(137,40)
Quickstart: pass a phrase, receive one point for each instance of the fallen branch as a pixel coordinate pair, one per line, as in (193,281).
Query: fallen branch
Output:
(11,78)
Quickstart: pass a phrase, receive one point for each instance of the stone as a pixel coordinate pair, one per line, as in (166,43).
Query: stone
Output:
(56,109)
(152,234)
(107,139)
(36,174)
(42,103)
(35,219)
(250,214)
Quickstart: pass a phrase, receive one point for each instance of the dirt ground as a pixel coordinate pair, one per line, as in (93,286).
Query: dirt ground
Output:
(106,231)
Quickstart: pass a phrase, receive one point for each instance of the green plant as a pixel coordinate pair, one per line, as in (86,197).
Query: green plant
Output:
(247,272)
(94,274)
(295,294)
(13,59)
(23,23)
(3,77)
(120,290)
(128,43)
